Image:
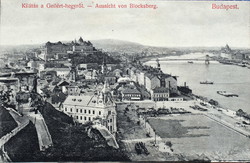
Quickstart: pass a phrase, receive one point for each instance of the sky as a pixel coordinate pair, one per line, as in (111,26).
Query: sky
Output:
(172,24)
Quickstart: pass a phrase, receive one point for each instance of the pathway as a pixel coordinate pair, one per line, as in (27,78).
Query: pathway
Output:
(43,134)
(107,135)
(142,140)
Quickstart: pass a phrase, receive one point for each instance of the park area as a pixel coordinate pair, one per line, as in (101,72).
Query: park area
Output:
(194,135)
(127,123)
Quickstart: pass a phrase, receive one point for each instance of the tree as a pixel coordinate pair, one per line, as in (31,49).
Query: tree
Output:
(240,113)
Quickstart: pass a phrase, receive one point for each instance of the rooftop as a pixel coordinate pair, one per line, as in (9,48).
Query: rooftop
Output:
(131,91)
(86,100)
(161,90)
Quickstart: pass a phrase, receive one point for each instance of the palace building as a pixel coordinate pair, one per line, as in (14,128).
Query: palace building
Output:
(61,50)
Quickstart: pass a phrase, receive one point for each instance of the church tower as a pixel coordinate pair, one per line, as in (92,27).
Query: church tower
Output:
(105,97)
(104,66)
(158,64)
(72,74)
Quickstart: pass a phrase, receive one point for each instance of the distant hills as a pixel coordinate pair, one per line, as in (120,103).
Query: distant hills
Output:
(117,45)
(114,45)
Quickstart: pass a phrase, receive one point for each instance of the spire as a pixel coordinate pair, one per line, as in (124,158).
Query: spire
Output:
(80,40)
(104,66)
(104,87)
(158,64)
(104,92)
(104,61)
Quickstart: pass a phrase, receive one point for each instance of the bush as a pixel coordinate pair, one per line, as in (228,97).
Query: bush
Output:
(168,143)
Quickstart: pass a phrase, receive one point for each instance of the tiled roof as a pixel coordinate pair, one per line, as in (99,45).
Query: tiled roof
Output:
(161,90)
(57,69)
(63,83)
(86,100)
(131,91)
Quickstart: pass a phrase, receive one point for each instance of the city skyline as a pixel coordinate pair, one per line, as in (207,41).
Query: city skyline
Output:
(172,24)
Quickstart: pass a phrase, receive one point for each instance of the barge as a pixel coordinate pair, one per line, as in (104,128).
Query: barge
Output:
(227,94)
(206,82)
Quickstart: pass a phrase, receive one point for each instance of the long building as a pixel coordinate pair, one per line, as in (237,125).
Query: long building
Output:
(153,77)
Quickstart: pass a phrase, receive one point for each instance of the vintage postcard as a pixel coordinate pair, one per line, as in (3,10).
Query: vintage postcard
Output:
(124,80)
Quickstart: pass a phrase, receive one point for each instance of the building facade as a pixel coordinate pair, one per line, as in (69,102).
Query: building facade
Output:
(131,95)
(160,94)
(98,108)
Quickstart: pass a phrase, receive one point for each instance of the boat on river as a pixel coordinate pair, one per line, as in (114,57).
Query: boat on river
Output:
(190,62)
(206,82)
(226,62)
(242,65)
(227,94)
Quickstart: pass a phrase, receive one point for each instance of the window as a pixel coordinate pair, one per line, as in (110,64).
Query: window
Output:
(100,112)
(85,111)
(110,120)
(80,117)
(93,112)
(89,112)
(70,109)
(80,110)
(85,118)
(77,110)
(76,117)
(65,109)
(89,118)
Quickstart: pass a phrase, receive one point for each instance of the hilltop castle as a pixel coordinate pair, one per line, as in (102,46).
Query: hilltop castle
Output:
(61,50)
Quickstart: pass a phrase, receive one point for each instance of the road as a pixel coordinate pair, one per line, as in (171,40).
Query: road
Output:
(43,134)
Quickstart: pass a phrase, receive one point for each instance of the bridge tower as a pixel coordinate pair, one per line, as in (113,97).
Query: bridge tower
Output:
(207,60)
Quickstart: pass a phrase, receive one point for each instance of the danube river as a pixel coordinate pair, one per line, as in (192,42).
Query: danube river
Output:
(230,78)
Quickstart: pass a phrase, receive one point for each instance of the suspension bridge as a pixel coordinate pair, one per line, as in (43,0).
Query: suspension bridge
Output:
(206,59)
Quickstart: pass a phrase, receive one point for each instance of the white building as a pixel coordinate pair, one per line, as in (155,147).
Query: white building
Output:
(95,108)
(61,72)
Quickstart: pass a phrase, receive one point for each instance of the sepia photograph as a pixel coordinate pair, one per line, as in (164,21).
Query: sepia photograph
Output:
(124,81)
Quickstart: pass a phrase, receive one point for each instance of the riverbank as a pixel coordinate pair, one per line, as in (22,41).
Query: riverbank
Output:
(227,78)
(213,134)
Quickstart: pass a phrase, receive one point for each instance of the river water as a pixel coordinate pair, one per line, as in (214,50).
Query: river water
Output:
(230,78)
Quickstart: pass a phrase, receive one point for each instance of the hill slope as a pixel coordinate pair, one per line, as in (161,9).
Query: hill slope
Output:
(70,142)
